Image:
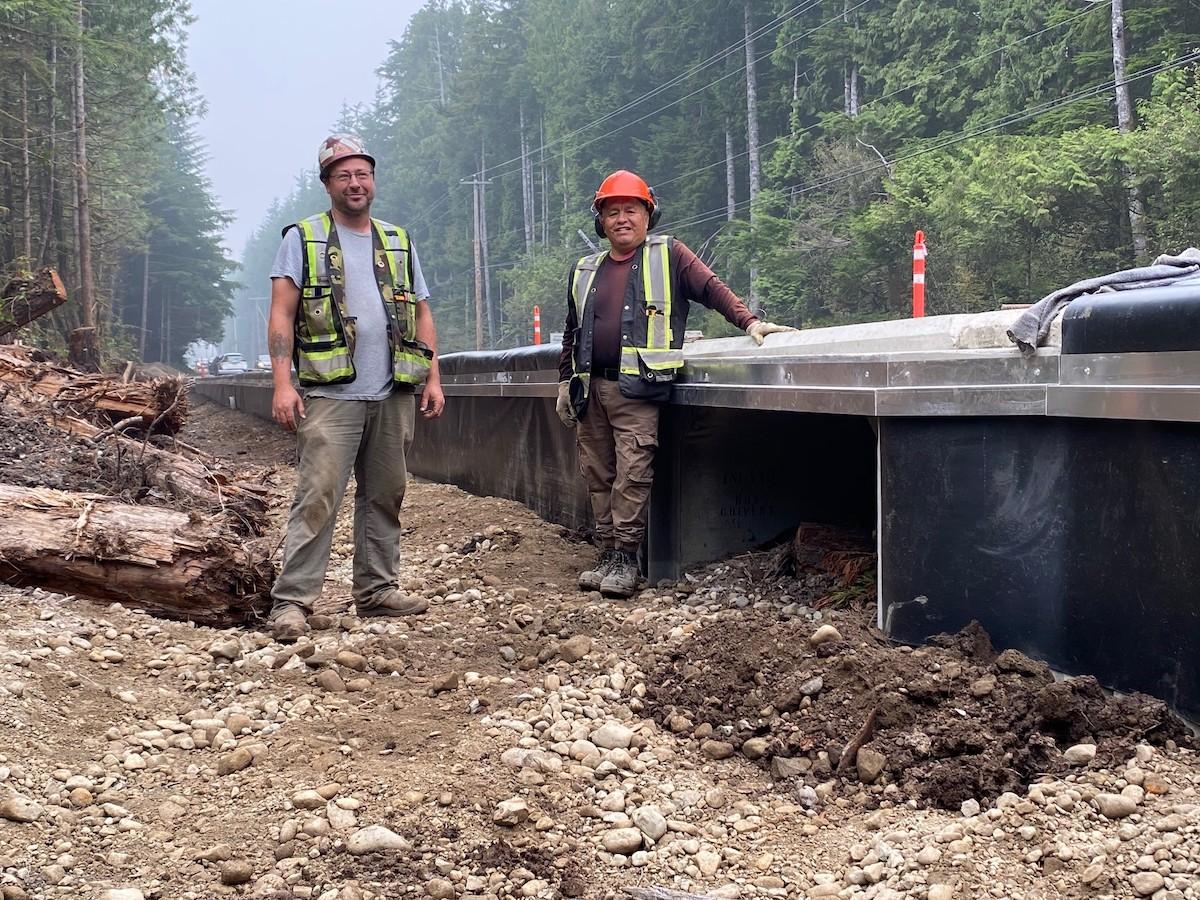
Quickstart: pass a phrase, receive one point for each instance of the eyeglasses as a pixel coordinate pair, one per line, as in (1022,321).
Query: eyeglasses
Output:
(347,177)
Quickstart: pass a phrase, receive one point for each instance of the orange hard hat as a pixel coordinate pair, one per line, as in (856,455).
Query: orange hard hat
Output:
(623,183)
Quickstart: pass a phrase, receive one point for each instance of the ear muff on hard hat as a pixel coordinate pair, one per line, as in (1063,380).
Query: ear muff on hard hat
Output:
(623,183)
(652,205)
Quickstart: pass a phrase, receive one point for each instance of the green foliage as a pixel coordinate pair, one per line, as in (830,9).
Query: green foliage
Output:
(147,190)
(989,125)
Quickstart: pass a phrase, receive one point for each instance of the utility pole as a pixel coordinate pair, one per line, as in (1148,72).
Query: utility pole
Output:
(483,246)
(477,184)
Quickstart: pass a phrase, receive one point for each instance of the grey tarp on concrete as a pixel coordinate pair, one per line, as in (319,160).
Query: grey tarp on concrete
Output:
(1030,330)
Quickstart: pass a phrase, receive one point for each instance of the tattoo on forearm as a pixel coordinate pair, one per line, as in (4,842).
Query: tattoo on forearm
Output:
(280,345)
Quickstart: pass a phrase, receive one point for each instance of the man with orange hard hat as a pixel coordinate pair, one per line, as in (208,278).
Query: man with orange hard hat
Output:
(627,312)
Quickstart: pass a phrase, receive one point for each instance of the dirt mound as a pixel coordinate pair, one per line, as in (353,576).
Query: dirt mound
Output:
(943,723)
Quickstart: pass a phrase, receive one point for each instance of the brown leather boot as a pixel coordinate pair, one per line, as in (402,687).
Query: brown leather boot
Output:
(393,603)
(289,624)
(590,580)
(623,578)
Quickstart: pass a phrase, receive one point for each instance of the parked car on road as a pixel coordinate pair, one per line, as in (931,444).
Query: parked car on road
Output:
(229,364)
(263,362)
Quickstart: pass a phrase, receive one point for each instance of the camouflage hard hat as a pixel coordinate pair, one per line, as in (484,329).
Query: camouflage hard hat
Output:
(340,146)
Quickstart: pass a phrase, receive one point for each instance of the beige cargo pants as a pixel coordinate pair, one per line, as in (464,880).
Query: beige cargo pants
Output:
(617,438)
(370,437)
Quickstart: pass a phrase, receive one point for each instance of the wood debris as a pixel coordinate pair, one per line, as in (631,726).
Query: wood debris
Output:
(101,501)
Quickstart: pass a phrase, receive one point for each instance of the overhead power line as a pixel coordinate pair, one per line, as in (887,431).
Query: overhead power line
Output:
(1015,118)
(900,90)
(540,151)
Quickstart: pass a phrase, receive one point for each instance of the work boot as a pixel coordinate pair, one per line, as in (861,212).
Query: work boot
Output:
(590,580)
(289,624)
(393,603)
(624,576)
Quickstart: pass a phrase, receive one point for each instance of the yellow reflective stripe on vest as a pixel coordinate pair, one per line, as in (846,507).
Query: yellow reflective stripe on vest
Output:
(585,274)
(664,362)
(317,312)
(410,366)
(401,244)
(656,287)
(324,366)
(309,239)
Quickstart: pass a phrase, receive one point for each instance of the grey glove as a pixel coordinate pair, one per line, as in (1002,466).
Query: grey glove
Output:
(760,330)
(563,405)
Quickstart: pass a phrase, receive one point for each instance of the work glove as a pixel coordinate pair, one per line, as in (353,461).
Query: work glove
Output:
(563,406)
(759,330)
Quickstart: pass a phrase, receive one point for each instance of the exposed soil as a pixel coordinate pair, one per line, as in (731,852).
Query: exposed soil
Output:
(955,720)
(117,731)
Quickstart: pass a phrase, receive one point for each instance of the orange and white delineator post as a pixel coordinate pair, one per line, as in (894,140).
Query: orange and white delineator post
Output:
(537,325)
(919,275)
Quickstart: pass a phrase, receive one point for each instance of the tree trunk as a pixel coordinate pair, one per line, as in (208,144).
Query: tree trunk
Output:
(751,108)
(730,180)
(1126,124)
(145,304)
(83,349)
(566,210)
(150,557)
(437,39)
(545,192)
(87,297)
(752,145)
(850,71)
(795,112)
(48,212)
(26,175)
(24,299)
(526,185)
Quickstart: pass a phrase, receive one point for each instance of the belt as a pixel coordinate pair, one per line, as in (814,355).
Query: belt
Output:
(607,374)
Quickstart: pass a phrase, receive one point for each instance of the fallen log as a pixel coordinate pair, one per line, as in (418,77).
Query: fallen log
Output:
(169,563)
(28,296)
(161,404)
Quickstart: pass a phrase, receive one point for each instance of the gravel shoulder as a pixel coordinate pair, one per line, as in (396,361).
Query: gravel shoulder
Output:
(524,739)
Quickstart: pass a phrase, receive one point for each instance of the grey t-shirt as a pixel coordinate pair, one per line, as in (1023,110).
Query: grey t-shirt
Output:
(372,362)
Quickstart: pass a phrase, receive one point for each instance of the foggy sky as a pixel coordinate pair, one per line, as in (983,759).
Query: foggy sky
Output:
(276,74)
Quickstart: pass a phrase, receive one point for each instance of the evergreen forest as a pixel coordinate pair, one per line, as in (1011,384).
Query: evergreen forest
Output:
(796,146)
(101,175)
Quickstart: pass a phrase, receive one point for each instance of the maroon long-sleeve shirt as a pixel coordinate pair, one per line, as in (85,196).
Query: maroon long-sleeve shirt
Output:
(698,282)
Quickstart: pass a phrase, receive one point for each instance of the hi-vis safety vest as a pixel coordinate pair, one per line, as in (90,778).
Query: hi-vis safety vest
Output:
(651,326)
(325,333)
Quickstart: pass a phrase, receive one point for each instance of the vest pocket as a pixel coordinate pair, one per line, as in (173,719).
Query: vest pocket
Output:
(324,362)
(411,362)
(653,366)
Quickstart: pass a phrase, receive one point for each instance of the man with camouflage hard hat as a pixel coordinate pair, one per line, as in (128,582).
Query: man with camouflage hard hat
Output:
(627,311)
(350,310)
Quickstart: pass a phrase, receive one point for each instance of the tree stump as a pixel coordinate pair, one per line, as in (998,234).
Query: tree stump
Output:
(83,350)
